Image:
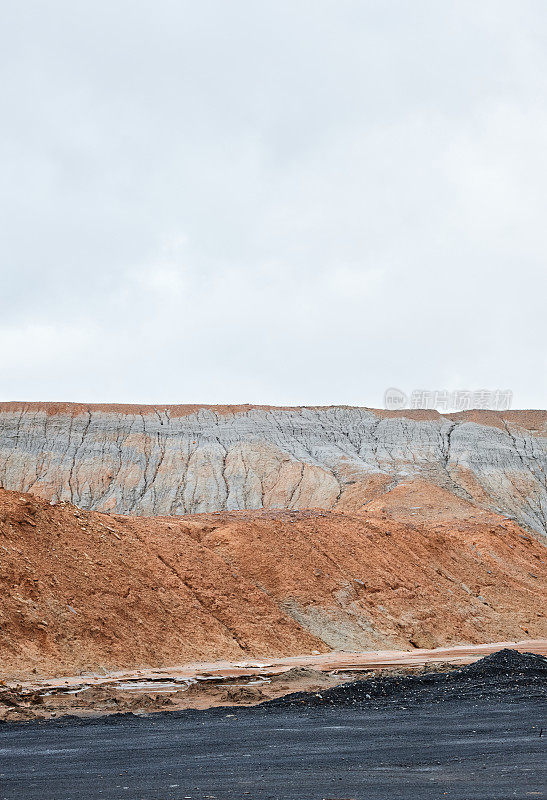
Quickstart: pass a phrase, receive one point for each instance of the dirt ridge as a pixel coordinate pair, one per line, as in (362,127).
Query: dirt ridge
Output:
(89,591)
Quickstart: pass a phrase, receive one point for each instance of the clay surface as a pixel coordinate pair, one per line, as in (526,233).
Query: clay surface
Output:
(86,591)
(177,460)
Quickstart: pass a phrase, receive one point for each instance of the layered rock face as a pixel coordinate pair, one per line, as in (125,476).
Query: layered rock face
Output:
(189,459)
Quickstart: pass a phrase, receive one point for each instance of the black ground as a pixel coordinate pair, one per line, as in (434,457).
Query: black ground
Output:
(472,733)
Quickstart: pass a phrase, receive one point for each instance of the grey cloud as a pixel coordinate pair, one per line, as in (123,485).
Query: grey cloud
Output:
(297,202)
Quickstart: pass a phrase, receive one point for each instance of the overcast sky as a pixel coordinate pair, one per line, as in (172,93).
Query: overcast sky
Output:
(272,202)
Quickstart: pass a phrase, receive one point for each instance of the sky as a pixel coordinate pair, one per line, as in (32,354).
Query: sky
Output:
(255,201)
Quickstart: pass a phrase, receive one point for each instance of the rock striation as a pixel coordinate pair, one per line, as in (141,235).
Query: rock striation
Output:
(174,460)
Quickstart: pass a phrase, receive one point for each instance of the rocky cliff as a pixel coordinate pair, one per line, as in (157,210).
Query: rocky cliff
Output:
(188,459)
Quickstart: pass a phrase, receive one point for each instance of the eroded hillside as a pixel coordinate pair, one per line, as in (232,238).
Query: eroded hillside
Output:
(83,590)
(199,459)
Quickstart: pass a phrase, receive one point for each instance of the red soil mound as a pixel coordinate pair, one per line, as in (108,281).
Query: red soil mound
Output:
(83,590)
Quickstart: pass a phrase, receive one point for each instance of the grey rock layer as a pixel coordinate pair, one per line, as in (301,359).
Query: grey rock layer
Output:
(157,462)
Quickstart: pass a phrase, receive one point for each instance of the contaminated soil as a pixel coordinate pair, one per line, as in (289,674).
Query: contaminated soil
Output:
(475,732)
(92,593)
(224,684)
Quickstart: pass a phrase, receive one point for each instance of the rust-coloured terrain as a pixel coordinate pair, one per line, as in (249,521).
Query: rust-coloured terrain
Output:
(223,683)
(418,567)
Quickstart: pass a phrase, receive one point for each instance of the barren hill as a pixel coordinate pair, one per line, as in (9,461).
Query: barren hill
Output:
(419,567)
(191,459)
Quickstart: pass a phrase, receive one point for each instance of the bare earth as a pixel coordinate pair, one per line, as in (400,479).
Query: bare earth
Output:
(178,460)
(205,685)
(417,568)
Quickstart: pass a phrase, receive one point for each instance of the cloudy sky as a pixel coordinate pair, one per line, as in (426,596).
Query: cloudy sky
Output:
(298,202)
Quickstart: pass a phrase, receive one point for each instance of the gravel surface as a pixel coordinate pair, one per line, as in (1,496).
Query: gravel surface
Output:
(472,733)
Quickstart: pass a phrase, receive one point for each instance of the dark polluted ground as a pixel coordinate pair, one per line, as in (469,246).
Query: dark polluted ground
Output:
(471,733)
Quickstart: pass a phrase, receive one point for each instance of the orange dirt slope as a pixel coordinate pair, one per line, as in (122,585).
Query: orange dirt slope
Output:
(418,567)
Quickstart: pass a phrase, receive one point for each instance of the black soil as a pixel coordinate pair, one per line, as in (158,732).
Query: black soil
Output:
(506,675)
(383,739)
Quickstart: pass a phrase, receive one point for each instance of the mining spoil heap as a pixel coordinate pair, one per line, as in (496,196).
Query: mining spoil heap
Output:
(506,676)
(88,591)
(176,460)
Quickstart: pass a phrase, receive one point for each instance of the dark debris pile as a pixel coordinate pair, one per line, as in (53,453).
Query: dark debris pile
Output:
(506,675)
